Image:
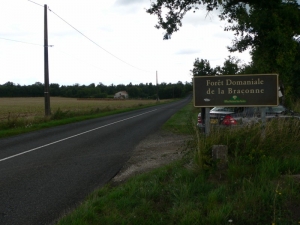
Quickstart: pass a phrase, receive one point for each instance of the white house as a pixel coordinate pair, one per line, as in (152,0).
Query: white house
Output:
(121,95)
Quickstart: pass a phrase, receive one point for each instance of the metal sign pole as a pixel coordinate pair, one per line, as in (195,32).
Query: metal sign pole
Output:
(207,121)
(263,121)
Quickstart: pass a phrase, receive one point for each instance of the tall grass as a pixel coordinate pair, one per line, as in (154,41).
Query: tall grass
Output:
(259,170)
(296,106)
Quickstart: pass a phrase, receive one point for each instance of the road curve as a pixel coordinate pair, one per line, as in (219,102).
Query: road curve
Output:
(46,173)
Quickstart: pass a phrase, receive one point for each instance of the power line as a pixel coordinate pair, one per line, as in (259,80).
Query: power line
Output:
(59,51)
(95,42)
(89,38)
(90,64)
(35,3)
(24,42)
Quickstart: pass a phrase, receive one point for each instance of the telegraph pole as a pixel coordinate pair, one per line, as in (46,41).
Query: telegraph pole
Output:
(46,66)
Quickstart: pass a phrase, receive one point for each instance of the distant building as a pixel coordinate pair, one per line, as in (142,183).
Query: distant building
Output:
(121,95)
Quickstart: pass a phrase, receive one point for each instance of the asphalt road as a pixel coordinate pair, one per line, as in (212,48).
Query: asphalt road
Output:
(44,174)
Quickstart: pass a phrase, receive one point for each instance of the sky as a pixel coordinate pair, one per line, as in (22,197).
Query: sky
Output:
(112,42)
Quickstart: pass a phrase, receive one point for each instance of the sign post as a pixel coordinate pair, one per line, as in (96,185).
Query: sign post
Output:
(258,90)
(263,121)
(207,121)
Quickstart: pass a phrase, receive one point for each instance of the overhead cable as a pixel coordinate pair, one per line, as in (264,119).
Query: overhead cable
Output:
(95,42)
(24,42)
(35,3)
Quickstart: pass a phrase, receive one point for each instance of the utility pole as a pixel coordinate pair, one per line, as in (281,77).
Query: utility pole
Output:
(46,66)
(157,97)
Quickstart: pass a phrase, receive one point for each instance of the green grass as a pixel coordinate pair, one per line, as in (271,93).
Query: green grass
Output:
(183,121)
(296,106)
(257,187)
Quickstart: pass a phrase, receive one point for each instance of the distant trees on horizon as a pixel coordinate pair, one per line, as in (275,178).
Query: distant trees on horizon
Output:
(145,91)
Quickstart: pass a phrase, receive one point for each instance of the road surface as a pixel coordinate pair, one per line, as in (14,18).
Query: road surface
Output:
(48,172)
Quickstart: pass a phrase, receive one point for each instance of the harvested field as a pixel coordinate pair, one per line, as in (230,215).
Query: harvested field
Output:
(34,107)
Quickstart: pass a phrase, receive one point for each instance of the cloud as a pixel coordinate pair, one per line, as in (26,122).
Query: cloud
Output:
(62,33)
(129,2)
(225,35)
(131,6)
(188,51)
(122,27)
(201,17)
(105,29)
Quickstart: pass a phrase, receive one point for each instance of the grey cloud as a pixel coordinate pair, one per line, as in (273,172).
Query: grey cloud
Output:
(131,6)
(224,35)
(130,2)
(201,17)
(188,51)
(105,29)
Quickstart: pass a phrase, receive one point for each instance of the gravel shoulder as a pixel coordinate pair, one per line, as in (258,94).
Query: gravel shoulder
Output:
(158,149)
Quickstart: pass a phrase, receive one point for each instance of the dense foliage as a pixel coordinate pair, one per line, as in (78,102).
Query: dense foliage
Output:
(148,90)
(269,28)
(231,66)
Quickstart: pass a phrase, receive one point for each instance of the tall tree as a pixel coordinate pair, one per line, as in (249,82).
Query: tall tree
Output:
(202,68)
(171,12)
(269,28)
(231,66)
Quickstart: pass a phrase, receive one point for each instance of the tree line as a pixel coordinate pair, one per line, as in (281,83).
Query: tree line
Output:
(144,91)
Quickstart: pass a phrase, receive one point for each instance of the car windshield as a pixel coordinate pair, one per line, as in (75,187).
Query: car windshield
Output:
(222,109)
(279,108)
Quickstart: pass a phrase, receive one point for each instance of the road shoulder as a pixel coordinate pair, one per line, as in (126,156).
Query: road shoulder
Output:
(156,150)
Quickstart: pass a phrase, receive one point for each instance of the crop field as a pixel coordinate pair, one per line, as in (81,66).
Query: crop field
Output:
(29,108)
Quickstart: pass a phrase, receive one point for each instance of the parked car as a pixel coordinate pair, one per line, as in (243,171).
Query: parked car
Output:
(276,110)
(232,116)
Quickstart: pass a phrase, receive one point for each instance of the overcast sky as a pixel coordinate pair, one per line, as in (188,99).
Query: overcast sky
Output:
(128,48)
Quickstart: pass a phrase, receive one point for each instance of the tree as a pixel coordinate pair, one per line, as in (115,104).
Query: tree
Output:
(175,10)
(9,84)
(269,28)
(171,12)
(37,89)
(202,68)
(270,31)
(54,89)
(230,66)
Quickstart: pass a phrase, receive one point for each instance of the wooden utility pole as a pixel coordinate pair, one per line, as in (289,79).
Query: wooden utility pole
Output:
(46,66)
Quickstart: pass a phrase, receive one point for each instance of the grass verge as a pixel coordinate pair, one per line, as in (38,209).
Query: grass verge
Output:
(258,186)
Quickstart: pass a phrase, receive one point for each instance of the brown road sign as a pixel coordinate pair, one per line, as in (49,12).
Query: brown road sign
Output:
(236,90)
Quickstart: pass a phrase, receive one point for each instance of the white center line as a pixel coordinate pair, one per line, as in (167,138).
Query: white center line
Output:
(31,150)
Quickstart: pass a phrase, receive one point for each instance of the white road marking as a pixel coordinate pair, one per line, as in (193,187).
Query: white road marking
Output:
(31,150)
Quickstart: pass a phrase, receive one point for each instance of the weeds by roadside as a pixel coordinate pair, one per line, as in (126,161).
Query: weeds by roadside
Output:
(257,187)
